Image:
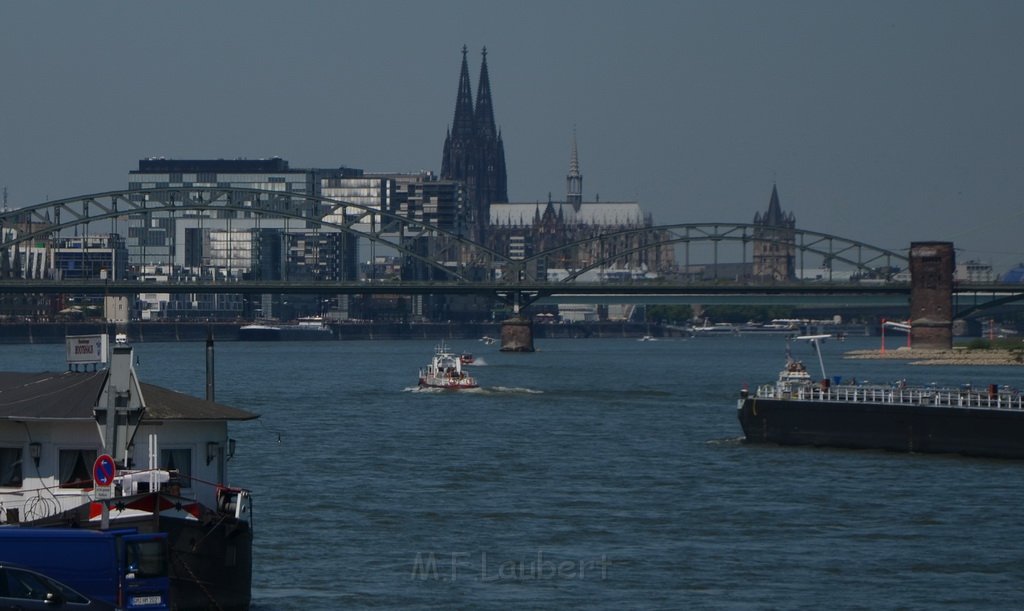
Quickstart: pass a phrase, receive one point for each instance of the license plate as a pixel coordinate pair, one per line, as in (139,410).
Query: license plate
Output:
(146,600)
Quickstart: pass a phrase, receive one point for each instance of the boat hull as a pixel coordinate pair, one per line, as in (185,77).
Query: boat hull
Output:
(284,334)
(900,427)
(210,553)
(448,385)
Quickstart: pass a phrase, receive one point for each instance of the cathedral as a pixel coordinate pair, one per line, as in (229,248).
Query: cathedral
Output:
(610,235)
(474,153)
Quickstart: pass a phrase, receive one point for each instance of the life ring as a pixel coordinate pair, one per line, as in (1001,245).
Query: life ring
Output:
(753,407)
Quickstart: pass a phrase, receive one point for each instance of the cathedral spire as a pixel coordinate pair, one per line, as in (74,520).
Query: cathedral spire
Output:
(474,153)
(484,113)
(459,138)
(462,124)
(574,180)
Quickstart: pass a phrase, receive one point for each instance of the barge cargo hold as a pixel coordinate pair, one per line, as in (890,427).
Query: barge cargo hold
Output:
(940,421)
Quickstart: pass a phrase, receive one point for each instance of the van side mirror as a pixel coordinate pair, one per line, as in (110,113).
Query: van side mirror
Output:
(54,598)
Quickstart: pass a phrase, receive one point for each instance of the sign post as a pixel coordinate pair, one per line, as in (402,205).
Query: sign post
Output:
(103,472)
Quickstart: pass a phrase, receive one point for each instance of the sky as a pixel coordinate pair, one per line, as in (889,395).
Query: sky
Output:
(885,122)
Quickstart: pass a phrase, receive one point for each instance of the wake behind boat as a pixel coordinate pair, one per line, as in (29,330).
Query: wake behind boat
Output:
(445,371)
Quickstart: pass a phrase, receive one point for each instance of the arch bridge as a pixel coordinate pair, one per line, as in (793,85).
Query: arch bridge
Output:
(681,258)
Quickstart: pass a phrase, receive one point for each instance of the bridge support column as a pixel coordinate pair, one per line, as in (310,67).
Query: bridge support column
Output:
(932,265)
(517,335)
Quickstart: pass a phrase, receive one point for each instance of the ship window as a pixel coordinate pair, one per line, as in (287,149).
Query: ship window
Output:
(10,467)
(76,468)
(179,460)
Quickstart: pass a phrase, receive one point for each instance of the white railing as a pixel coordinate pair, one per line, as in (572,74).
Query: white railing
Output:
(897,395)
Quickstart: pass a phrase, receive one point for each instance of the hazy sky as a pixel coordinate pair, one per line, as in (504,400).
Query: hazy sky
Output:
(885,122)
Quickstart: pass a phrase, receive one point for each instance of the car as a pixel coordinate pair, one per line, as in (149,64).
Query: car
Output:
(23,589)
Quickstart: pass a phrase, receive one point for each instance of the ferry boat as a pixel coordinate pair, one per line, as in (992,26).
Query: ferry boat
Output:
(797,410)
(167,455)
(308,328)
(445,371)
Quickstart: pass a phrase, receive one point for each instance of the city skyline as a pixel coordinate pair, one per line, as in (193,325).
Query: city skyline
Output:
(883,123)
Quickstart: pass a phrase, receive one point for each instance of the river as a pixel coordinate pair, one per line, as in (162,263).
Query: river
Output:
(591,474)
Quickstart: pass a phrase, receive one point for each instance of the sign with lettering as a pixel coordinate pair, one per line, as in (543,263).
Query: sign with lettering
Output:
(103,470)
(84,349)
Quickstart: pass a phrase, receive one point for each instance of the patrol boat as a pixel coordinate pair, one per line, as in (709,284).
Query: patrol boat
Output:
(445,371)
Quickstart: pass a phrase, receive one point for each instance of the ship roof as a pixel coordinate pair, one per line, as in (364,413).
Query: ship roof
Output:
(73,395)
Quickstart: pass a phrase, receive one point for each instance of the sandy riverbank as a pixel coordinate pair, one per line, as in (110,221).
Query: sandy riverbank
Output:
(942,357)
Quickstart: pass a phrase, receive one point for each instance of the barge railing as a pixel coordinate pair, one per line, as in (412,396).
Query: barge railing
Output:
(990,398)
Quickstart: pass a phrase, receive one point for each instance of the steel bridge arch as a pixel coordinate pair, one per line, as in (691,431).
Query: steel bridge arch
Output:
(52,218)
(808,242)
(261,202)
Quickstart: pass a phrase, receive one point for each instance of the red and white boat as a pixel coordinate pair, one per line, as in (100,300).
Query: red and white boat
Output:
(445,371)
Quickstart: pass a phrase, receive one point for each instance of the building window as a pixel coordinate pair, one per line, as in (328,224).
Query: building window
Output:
(10,467)
(76,468)
(179,460)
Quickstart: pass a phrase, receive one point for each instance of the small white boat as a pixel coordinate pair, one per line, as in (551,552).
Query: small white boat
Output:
(718,328)
(445,371)
(647,338)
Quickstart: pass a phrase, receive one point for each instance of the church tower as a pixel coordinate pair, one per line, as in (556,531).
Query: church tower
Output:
(474,152)
(574,180)
(774,243)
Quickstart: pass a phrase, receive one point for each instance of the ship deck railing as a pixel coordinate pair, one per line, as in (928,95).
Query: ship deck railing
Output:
(939,397)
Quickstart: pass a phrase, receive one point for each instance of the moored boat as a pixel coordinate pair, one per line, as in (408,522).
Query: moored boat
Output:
(718,328)
(309,328)
(797,410)
(169,452)
(445,371)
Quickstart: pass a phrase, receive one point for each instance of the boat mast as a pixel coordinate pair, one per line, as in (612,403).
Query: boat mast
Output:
(815,341)
(120,405)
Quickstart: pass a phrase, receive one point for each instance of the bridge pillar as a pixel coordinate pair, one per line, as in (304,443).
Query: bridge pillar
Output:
(932,265)
(517,335)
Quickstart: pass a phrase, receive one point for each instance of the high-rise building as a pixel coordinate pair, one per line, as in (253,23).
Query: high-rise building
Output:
(474,153)
(228,244)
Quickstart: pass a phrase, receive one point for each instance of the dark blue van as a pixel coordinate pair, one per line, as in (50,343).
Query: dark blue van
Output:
(121,567)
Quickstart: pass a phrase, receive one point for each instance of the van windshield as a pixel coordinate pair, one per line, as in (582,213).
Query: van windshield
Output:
(146,558)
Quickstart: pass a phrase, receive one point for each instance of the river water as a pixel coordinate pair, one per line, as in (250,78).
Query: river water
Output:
(597,473)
